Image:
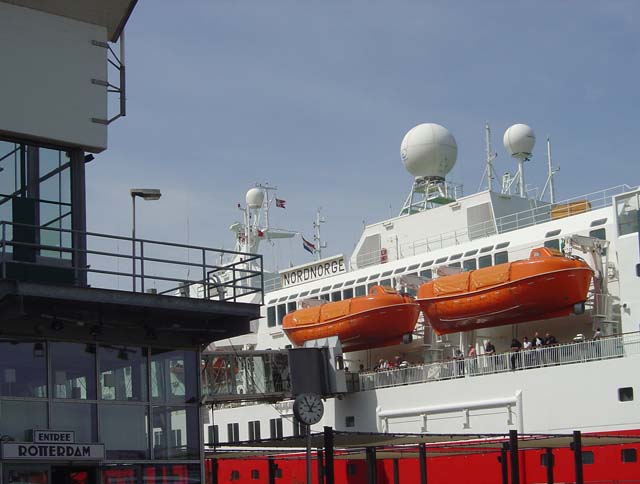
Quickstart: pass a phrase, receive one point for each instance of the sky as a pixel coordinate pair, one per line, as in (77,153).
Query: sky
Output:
(315,98)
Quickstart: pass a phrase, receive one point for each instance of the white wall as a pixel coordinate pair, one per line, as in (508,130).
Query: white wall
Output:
(47,63)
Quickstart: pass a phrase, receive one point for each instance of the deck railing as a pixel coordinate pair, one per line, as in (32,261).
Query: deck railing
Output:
(122,263)
(563,354)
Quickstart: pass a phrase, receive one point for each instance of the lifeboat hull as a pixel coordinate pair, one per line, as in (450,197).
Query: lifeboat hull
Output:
(380,319)
(538,288)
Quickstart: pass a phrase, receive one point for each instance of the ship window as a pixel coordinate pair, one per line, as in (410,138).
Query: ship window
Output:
(441,260)
(427,264)
(469,265)
(282,310)
(629,455)
(349,283)
(600,221)
(291,307)
(324,297)
(386,283)
(484,261)
(455,257)
(502,245)
(362,279)
(303,294)
(454,264)
(233,432)
(336,286)
(272,301)
(315,291)
(486,249)
(399,270)
(587,457)
(350,421)
(552,233)
(278,473)
(413,267)
(369,286)
(293,296)
(271,316)
(325,288)
(347,293)
(374,276)
(275,426)
(599,234)
(214,435)
(552,244)
(387,273)
(361,290)
(500,257)
(255,474)
(471,252)
(282,299)
(336,296)
(254,430)
(235,475)
(625,394)
(427,274)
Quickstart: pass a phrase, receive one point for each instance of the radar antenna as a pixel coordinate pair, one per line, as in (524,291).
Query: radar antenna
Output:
(519,141)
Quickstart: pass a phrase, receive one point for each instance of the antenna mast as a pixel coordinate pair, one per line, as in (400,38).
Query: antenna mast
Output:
(551,173)
(488,171)
(316,236)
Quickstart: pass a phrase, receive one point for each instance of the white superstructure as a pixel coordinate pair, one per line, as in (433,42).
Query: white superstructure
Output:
(580,384)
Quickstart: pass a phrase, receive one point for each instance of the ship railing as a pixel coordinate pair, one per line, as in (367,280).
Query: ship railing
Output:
(504,224)
(617,346)
(91,259)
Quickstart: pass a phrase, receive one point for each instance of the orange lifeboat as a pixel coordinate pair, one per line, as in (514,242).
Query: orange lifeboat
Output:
(382,318)
(546,285)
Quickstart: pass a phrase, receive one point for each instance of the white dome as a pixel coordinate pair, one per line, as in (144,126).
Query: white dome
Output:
(254,198)
(429,150)
(519,141)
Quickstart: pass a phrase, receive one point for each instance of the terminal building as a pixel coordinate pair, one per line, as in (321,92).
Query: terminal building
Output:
(99,359)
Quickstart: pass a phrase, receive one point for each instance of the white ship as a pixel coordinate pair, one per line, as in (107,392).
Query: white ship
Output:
(578,384)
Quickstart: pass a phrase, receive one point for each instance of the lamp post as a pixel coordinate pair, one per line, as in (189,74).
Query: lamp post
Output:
(145,194)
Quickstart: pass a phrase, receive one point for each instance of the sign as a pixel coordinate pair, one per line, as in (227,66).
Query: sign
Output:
(52,445)
(314,271)
(39,451)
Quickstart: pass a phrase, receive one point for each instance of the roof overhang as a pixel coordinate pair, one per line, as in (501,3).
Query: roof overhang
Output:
(111,14)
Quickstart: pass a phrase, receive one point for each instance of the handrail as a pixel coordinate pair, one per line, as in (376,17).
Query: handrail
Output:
(154,267)
(616,346)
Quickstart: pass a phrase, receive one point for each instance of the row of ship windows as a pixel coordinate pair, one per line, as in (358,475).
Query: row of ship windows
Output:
(276,313)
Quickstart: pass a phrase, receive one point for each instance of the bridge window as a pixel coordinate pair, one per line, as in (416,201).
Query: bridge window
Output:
(455,257)
(627,210)
(413,267)
(629,455)
(271,316)
(552,233)
(349,283)
(336,296)
(486,249)
(347,293)
(233,432)
(275,426)
(291,307)
(399,270)
(441,260)
(386,283)
(471,252)
(362,279)
(254,430)
(336,286)
(552,244)
(484,261)
(427,264)
(282,310)
(625,394)
(387,273)
(599,234)
(361,290)
(427,274)
(454,264)
(600,221)
(501,257)
(324,297)
(502,245)
(469,265)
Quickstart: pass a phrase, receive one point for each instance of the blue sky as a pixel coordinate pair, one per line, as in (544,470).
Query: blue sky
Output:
(315,97)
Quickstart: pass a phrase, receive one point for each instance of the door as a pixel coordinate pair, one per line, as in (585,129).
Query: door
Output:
(73,475)
(25,474)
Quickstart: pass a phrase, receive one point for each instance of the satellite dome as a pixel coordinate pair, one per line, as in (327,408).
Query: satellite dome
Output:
(254,198)
(519,140)
(429,150)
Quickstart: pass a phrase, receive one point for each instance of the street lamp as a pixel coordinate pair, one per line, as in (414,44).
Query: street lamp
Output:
(145,194)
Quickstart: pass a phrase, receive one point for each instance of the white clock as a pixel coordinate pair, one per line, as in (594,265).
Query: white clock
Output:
(308,408)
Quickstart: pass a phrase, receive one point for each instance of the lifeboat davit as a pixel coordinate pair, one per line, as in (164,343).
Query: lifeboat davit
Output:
(381,318)
(546,285)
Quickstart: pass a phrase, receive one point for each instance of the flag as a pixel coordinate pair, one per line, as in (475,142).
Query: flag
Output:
(280,203)
(260,233)
(308,246)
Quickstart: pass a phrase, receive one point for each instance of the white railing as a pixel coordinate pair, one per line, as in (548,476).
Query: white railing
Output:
(564,354)
(507,223)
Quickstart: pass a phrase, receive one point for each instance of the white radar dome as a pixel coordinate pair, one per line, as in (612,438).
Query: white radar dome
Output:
(519,141)
(254,198)
(429,150)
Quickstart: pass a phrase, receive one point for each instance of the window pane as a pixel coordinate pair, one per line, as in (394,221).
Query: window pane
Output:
(271,316)
(172,473)
(175,433)
(361,290)
(123,373)
(23,370)
(79,417)
(347,293)
(552,244)
(469,265)
(132,444)
(501,257)
(173,376)
(282,310)
(17,419)
(73,370)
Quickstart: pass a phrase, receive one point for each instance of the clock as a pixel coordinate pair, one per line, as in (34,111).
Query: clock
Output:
(308,408)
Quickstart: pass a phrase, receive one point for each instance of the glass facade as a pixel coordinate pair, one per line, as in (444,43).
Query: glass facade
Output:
(141,403)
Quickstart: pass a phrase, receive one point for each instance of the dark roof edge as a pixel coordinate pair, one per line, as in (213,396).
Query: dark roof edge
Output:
(123,22)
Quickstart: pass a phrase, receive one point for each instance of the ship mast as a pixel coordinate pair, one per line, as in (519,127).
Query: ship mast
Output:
(317,239)
(490,156)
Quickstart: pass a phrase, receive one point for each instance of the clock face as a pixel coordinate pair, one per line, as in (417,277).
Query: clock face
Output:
(308,408)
